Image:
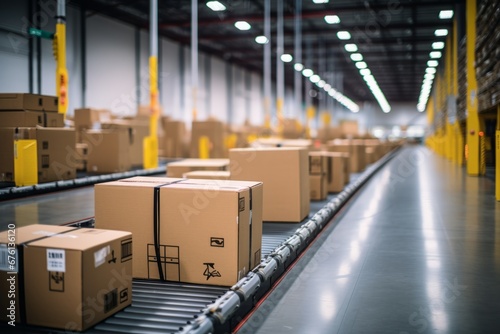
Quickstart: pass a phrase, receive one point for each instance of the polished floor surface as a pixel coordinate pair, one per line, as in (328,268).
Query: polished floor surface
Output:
(416,251)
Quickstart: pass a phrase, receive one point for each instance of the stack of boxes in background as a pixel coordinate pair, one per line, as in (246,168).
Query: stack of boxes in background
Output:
(318,176)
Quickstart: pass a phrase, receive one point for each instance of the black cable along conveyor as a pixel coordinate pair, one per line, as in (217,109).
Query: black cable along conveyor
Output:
(171,307)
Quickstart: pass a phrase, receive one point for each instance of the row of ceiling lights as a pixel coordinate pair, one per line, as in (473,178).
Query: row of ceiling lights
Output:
(430,71)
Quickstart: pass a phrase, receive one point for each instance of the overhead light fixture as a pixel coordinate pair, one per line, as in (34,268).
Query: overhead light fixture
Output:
(242,25)
(446,14)
(321,1)
(430,70)
(356,56)
(361,65)
(351,47)
(321,83)
(286,58)
(365,71)
(332,19)
(438,45)
(327,87)
(441,32)
(435,54)
(298,67)
(216,6)
(261,39)
(307,72)
(429,75)
(344,35)
(432,63)
(314,78)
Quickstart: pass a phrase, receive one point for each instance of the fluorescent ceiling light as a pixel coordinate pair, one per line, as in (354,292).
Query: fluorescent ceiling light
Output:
(435,54)
(361,65)
(307,72)
(344,35)
(321,83)
(438,45)
(242,25)
(365,71)
(446,14)
(441,32)
(356,56)
(432,63)
(314,78)
(261,39)
(430,70)
(298,67)
(216,6)
(327,87)
(429,76)
(286,58)
(351,47)
(332,19)
(321,1)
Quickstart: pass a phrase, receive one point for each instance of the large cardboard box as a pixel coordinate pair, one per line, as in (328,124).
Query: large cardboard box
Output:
(77,279)
(137,131)
(174,138)
(215,132)
(55,148)
(179,168)
(107,151)
(208,231)
(22,101)
(207,175)
(12,267)
(285,174)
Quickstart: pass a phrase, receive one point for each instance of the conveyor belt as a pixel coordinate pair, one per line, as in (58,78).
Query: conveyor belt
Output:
(166,307)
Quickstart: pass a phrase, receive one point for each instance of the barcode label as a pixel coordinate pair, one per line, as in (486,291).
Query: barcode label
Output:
(126,250)
(110,300)
(56,260)
(5,257)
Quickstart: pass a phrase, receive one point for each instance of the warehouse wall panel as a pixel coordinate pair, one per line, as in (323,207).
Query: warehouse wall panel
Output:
(256,104)
(170,77)
(219,90)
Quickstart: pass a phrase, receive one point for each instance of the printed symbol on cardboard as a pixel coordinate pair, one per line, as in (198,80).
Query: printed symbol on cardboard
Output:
(113,257)
(241,204)
(216,242)
(56,281)
(123,295)
(126,250)
(210,271)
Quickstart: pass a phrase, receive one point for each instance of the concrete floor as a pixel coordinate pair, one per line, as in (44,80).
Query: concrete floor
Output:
(416,251)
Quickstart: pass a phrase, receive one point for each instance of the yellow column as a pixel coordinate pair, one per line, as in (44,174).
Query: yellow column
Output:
(150,144)
(473,128)
(59,45)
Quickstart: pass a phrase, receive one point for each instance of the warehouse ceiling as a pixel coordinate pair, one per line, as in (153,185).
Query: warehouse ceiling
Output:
(394,37)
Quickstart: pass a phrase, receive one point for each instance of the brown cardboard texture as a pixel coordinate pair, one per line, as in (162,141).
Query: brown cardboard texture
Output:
(77,279)
(318,186)
(215,132)
(22,118)
(12,275)
(349,128)
(178,168)
(128,205)
(174,138)
(107,151)
(318,163)
(356,152)
(89,118)
(20,101)
(207,175)
(338,170)
(137,131)
(285,174)
(81,156)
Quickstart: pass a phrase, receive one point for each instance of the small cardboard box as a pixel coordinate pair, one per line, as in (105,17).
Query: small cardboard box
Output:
(77,279)
(337,169)
(215,132)
(285,174)
(88,119)
(174,138)
(318,163)
(207,175)
(54,152)
(21,101)
(107,151)
(355,148)
(319,187)
(137,131)
(12,267)
(178,168)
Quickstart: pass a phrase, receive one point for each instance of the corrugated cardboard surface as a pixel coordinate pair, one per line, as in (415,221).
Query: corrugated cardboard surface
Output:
(21,101)
(355,148)
(27,118)
(208,175)
(21,235)
(107,150)
(174,139)
(55,150)
(77,279)
(178,168)
(215,131)
(337,175)
(318,186)
(318,163)
(349,128)
(137,131)
(285,174)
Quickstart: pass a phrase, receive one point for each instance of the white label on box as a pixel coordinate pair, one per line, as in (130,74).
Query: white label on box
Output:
(56,260)
(100,255)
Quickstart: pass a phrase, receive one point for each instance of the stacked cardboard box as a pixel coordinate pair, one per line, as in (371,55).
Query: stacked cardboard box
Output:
(318,169)
(107,150)
(285,174)
(337,170)
(208,137)
(179,168)
(29,110)
(174,139)
(89,118)
(203,231)
(356,150)
(208,175)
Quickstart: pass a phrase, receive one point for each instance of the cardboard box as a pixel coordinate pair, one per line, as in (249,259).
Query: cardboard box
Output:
(55,148)
(174,138)
(285,174)
(77,279)
(203,226)
(137,131)
(12,278)
(22,101)
(356,150)
(107,151)
(292,129)
(330,133)
(89,118)
(178,168)
(319,187)
(81,156)
(25,118)
(207,175)
(215,132)
(349,129)
(337,175)
(318,163)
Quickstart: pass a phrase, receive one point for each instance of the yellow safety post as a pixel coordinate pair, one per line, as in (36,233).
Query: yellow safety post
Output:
(457,134)
(473,125)
(204,147)
(326,118)
(59,51)
(25,162)
(311,113)
(279,116)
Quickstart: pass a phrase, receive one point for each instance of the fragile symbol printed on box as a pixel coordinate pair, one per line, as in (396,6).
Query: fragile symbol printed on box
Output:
(210,271)
(241,204)
(216,242)
(56,280)
(56,260)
